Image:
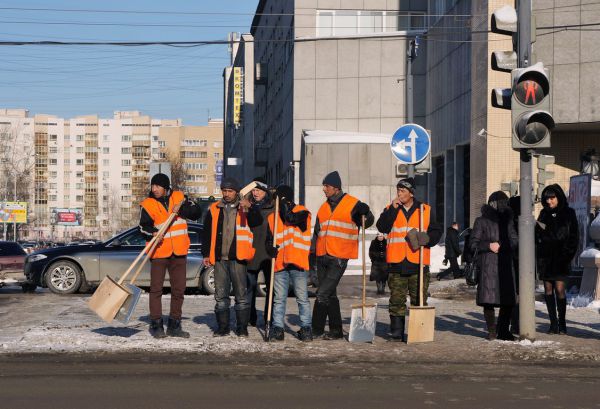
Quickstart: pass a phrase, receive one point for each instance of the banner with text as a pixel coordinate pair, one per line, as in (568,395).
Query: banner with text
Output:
(13,212)
(66,217)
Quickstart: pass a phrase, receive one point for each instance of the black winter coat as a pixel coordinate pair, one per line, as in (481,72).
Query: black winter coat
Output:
(451,243)
(377,250)
(557,243)
(496,280)
(258,217)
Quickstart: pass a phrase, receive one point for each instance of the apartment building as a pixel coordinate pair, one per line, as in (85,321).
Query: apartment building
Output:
(87,166)
(197,153)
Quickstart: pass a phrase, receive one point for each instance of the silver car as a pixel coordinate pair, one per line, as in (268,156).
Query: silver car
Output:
(71,269)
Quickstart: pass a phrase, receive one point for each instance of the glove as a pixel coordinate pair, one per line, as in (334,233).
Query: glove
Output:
(362,209)
(272,251)
(423,238)
(413,239)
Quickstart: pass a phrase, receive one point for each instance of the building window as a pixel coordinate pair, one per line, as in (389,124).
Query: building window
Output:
(79,198)
(125,186)
(106,150)
(79,138)
(53,162)
(217,155)
(53,174)
(79,149)
(351,22)
(125,175)
(126,162)
(78,186)
(53,149)
(216,144)
(125,138)
(79,174)
(126,151)
(161,144)
(79,162)
(53,137)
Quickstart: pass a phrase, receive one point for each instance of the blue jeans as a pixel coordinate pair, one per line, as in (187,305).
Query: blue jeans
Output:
(230,273)
(298,279)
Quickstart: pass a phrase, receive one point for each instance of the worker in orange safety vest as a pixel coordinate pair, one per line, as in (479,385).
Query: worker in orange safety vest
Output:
(171,253)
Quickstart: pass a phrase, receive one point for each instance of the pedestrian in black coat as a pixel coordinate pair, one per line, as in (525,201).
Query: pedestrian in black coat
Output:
(557,241)
(452,247)
(379,272)
(495,238)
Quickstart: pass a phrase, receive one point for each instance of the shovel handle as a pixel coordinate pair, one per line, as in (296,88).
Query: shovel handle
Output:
(364,269)
(421,296)
(270,300)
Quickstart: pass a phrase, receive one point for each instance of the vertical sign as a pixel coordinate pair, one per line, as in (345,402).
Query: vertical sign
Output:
(238,95)
(579,200)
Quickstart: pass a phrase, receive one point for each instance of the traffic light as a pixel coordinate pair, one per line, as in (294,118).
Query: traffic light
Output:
(530,106)
(504,21)
(544,175)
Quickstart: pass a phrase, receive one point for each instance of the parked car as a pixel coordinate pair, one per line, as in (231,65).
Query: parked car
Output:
(69,269)
(12,260)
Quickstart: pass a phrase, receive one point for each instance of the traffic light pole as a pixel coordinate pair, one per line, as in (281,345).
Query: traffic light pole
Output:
(526,219)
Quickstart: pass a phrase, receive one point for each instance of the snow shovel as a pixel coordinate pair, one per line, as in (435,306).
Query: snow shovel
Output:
(110,296)
(270,299)
(364,316)
(421,319)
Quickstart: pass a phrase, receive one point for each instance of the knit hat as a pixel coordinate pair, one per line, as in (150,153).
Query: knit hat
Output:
(333,179)
(285,191)
(261,183)
(498,200)
(162,180)
(407,183)
(230,183)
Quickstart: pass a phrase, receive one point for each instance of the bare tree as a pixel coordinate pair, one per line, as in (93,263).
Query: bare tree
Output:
(179,173)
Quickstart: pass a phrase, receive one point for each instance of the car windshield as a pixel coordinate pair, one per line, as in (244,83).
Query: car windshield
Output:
(11,249)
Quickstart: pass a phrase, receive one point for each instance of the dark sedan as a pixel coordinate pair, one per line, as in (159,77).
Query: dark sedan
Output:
(69,269)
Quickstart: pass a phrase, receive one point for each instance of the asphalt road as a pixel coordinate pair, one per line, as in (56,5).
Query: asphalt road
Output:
(254,381)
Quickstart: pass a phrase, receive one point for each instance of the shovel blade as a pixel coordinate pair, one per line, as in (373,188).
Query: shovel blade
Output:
(421,322)
(108,299)
(126,311)
(362,329)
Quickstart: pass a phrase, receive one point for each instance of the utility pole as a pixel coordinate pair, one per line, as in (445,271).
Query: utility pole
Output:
(526,219)
(411,54)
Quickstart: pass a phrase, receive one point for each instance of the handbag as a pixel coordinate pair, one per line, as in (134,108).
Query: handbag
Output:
(472,271)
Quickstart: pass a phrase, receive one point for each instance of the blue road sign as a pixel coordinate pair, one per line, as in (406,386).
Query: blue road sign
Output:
(410,144)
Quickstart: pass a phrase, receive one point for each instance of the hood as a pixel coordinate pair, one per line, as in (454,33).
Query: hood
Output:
(560,194)
(489,212)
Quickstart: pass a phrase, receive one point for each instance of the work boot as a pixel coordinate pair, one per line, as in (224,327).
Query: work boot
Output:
(305,334)
(156,328)
(490,322)
(241,318)
(561,305)
(276,334)
(174,329)
(319,316)
(334,334)
(551,305)
(223,323)
(397,324)
(380,287)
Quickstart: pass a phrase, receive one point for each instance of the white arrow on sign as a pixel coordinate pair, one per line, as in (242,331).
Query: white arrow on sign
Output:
(401,146)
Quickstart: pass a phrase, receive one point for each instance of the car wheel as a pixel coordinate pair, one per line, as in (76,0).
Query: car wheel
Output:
(64,277)
(208,279)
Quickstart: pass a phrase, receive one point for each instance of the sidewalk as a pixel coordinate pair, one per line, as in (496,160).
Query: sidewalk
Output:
(46,323)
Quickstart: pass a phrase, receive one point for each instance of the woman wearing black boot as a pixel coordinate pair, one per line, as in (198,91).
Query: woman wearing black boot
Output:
(495,239)
(557,240)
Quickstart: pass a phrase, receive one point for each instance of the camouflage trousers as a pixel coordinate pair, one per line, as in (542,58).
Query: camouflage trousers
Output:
(403,286)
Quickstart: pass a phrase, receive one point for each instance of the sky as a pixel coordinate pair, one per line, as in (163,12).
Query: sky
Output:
(160,81)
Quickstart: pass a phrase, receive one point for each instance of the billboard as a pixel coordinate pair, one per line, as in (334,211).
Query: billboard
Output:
(13,212)
(66,217)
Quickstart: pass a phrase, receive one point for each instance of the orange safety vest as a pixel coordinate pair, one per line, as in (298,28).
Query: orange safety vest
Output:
(294,244)
(243,236)
(338,235)
(176,240)
(397,246)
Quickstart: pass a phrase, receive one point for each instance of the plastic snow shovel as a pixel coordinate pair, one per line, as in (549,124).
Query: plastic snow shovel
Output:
(270,299)
(364,316)
(111,295)
(421,319)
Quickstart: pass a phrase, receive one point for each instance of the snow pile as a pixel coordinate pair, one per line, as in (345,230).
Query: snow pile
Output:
(581,301)
(535,344)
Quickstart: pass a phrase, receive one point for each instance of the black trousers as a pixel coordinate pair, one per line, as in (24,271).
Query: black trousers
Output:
(329,271)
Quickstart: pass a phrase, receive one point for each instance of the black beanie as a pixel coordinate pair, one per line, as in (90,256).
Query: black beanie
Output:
(162,180)
(285,191)
(407,183)
(333,179)
(261,183)
(230,183)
